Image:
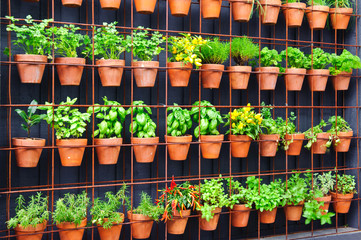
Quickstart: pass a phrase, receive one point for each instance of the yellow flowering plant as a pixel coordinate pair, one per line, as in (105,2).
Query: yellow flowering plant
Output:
(244,121)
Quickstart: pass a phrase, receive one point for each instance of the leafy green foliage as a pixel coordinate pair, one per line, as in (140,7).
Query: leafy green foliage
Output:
(312,211)
(31,214)
(243,49)
(214,52)
(296,190)
(210,118)
(323,183)
(239,194)
(344,184)
(147,208)
(30,117)
(317,2)
(178,121)
(338,124)
(340,3)
(142,125)
(269,58)
(344,62)
(311,134)
(289,127)
(270,125)
(295,57)
(318,60)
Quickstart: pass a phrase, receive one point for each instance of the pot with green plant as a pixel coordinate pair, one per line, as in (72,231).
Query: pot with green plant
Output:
(66,44)
(317,73)
(341,133)
(69,124)
(341,69)
(112,116)
(35,40)
(342,192)
(178,123)
(28,157)
(295,71)
(242,10)
(144,216)
(318,140)
(145,48)
(292,141)
(70,215)
(322,185)
(269,11)
(143,127)
(211,9)
(145,6)
(106,213)
(30,218)
(293,10)
(242,50)
(340,13)
(317,13)
(213,54)
(110,4)
(209,136)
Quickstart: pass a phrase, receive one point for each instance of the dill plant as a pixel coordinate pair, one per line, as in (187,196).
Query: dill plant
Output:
(214,52)
(243,49)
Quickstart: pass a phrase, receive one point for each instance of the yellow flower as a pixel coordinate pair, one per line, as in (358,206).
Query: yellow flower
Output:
(179,58)
(174,50)
(233,125)
(240,126)
(194,41)
(248,104)
(249,120)
(197,62)
(259,121)
(258,116)
(247,109)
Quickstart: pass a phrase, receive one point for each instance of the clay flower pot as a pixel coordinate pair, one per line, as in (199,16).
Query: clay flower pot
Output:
(294,148)
(240,149)
(179,77)
(178,152)
(294,212)
(71,3)
(271,9)
(294,13)
(326,204)
(30,72)
(211,8)
(268,217)
(145,6)
(145,76)
(69,75)
(340,17)
(110,4)
(294,78)
(212,224)
(108,155)
(110,71)
(211,78)
(71,154)
(239,80)
(345,141)
(71,231)
(269,144)
(341,202)
(341,81)
(267,77)
(240,215)
(210,145)
(179,8)
(28,157)
(179,222)
(319,147)
(112,233)
(145,153)
(242,10)
(36,231)
(317,16)
(317,80)
(140,230)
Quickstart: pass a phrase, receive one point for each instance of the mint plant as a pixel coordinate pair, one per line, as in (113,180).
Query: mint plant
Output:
(147,208)
(29,117)
(268,58)
(311,134)
(243,49)
(178,121)
(345,184)
(142,125)
(295,191)
(344,62)
(338,124)
(295,57)
(239,194)
(214,52)
(270,125)
(318,60)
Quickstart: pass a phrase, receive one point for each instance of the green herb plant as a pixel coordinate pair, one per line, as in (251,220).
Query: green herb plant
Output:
(214,51)
(323,183)
(243,50)
(312,212)
(318,60)
(289,127)
(340,3)
(239,194)
(268,58)
(295,191)
(270,125)
(142,125)
(338,124)
(311,134)
(147,208)
(317,2)
(29,117)
(344,62)
(295,57)
(345,184)
(178,121)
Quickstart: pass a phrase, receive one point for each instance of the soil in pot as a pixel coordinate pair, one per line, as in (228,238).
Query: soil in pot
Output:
(341,81)
(294,78)
(179,77)
(317,16)
(110,76)
(108,155)
(28,157)
(295,146)
(242,10)
(341,202)
(240,215)
(269,144)
(70,231)
(110,4)
(112,233)
(268,217)
(69,75)
(211,8)
(71,154)
(146,74)
(145,6)
(267,77)
(211,78)
(294,13)
(317,79)
(319,147)
(179,8)
(72,3)
(140,230)
(36,231)
(340,17)
(271,9)
(30,72)
(326,203)
(345,141)
(240,149)
(293,212)
(145,153)
(212,224)
(211,145)
(179,222)
(239,80)
(178,152)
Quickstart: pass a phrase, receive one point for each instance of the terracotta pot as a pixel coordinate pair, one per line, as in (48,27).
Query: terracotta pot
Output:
(341,202)
(179,77)
(239,80)
(340,17)
(20,231)
(179,8)
(345,141)
(210,146)
(211,8)
(341,81)
(212,224)
(294,148)
(269,15)
(242,10)
(178,152)
(317,16)
(294,13)
(269,147)
(28,157)
(110,4)
(240,219)
(108,155)
(317,82)
(145,153)
(268,79)
(293,212)
(145,77)
(70,231)
(70,75)
(72,3)
(240,149)
(319,147)
(110,76)
(71,155)
(294,78)
(140,230)
(30,72)
(268,217)
(145,6)
(210,78)
(326,204)
(179,222)
(112,233)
